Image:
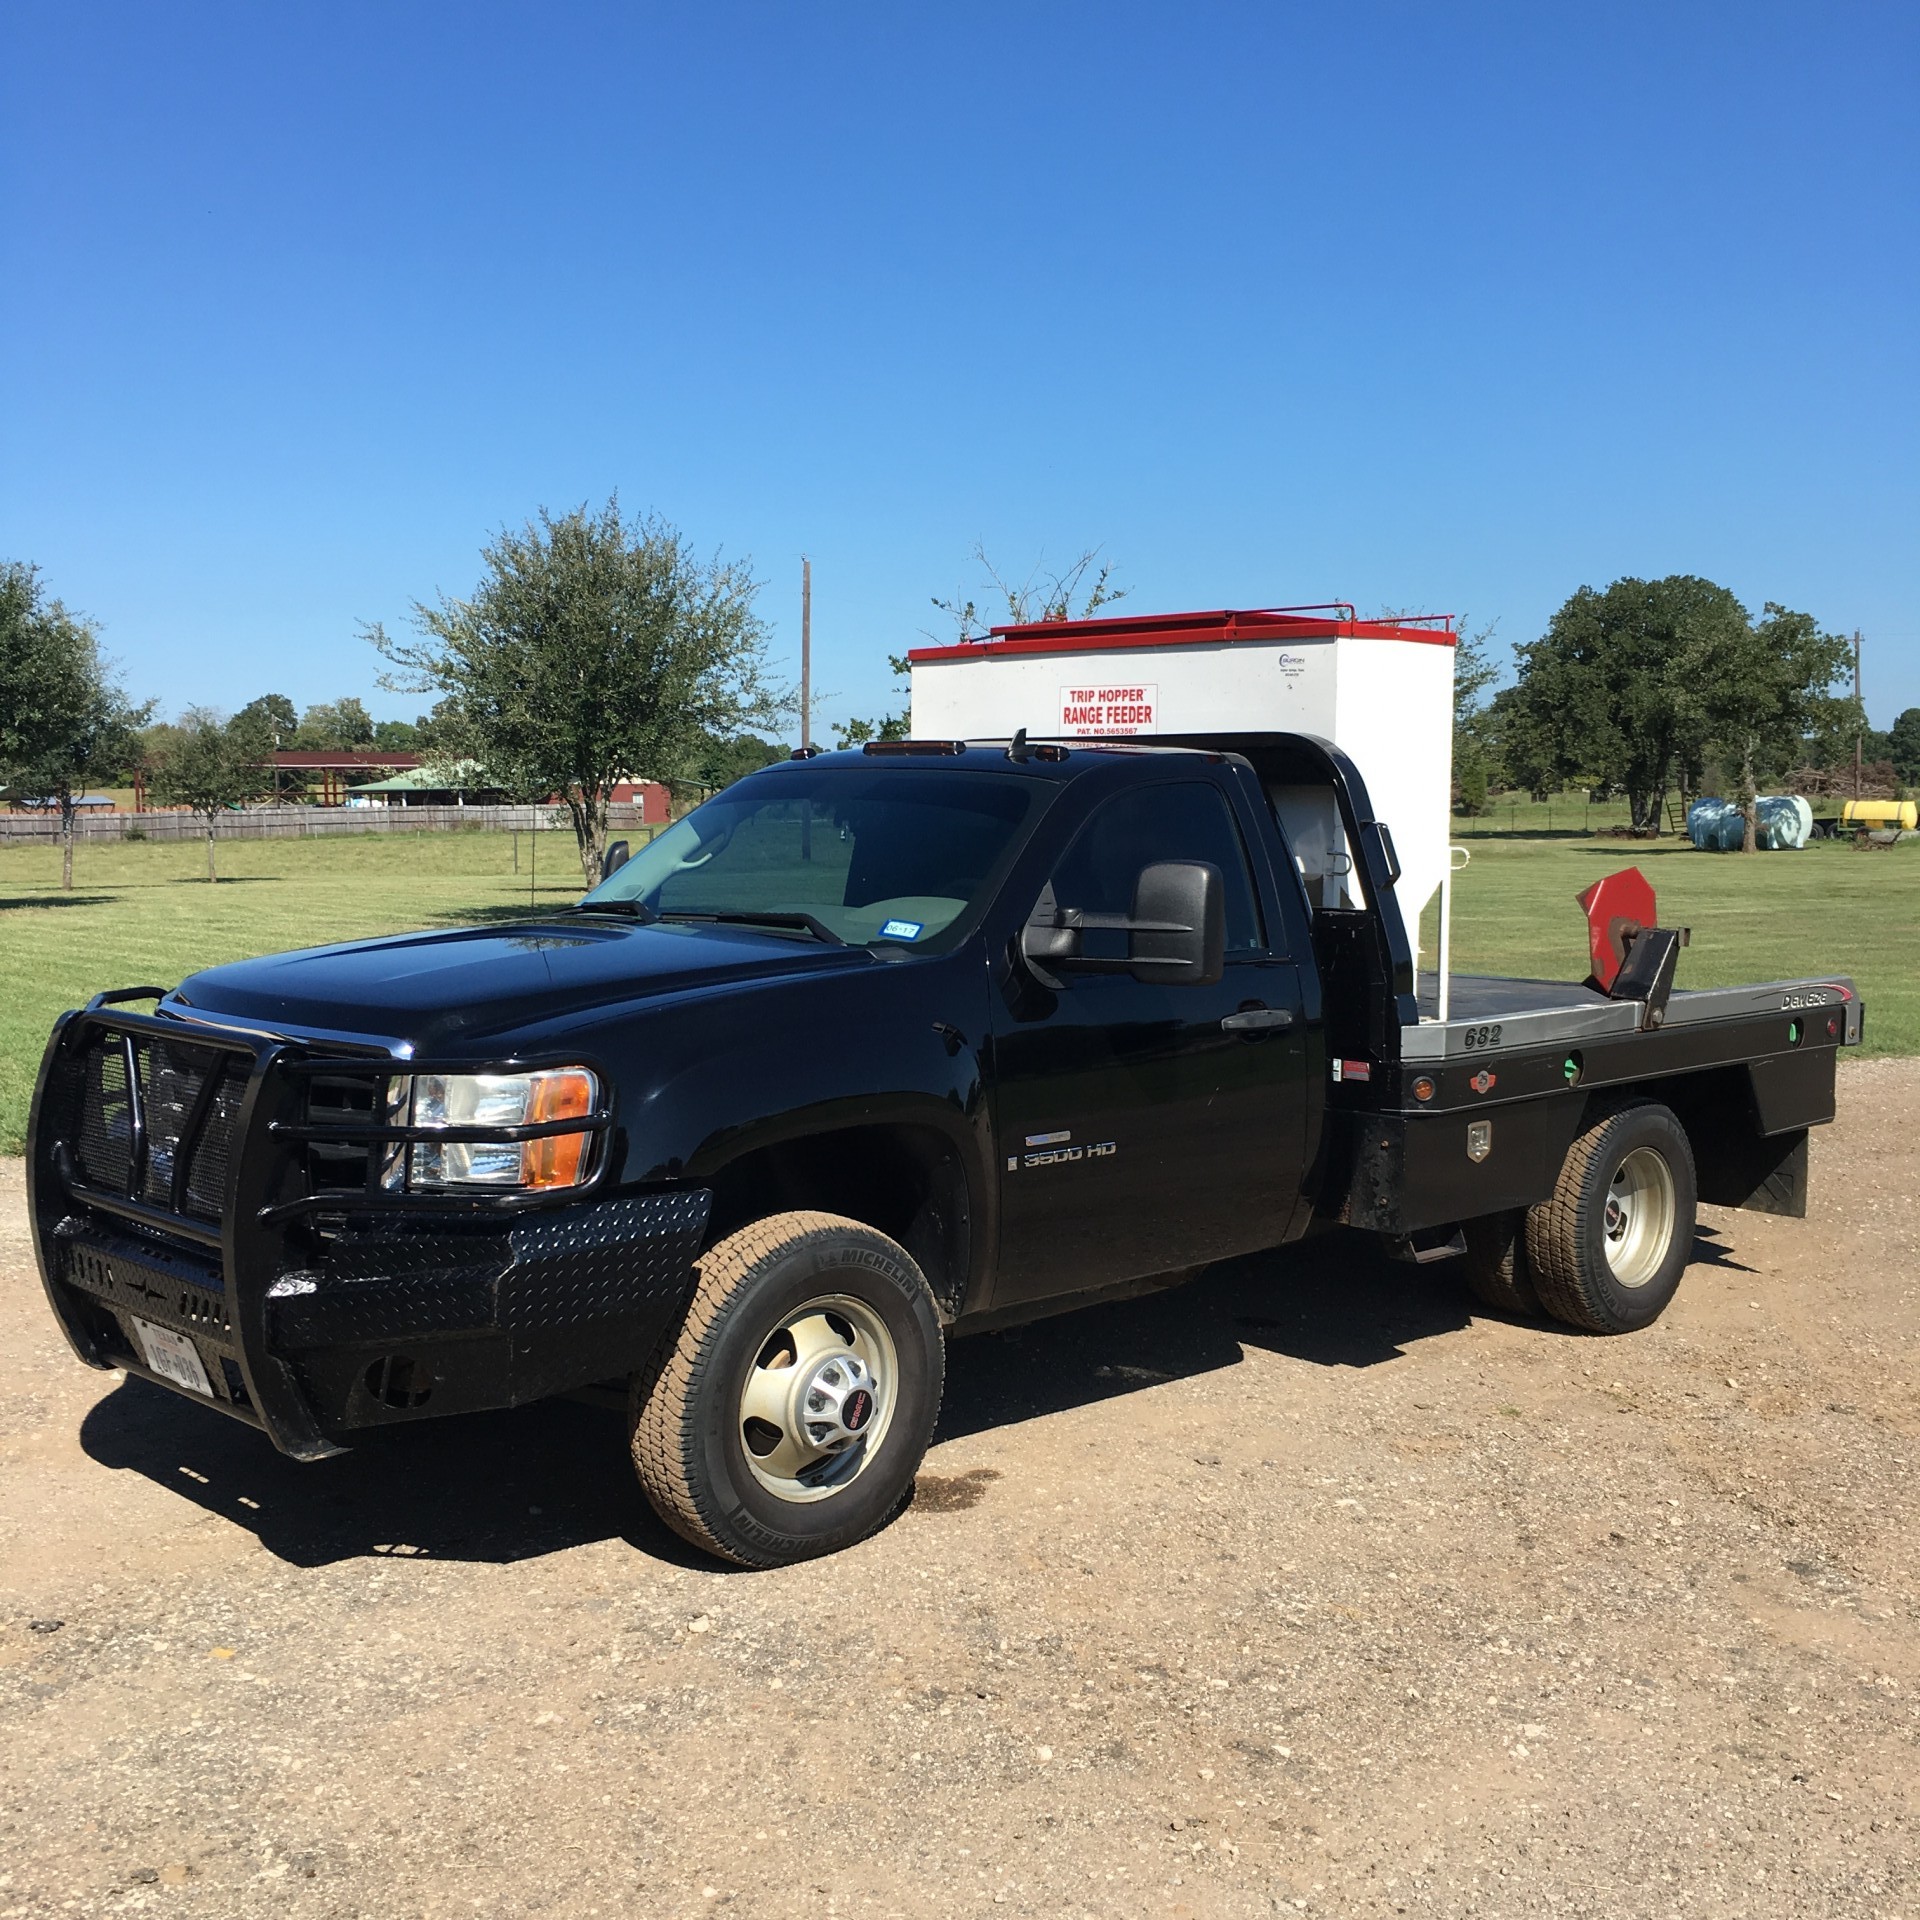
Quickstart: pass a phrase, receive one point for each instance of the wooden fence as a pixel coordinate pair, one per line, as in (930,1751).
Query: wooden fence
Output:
(306,823)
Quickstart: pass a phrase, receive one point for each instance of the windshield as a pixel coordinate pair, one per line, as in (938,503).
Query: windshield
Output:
(866,853)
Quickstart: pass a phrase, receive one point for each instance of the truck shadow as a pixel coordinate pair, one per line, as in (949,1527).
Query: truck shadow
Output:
(1710,1250)
(489,1487)
(1332,1302)
(512,1486)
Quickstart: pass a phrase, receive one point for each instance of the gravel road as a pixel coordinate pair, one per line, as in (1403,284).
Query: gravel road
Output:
(1302,1589)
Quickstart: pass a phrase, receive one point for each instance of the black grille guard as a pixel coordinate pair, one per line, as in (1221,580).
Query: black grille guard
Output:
(266,1189)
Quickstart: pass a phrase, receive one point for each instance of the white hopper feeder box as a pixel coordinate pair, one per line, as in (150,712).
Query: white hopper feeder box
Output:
(1379,690)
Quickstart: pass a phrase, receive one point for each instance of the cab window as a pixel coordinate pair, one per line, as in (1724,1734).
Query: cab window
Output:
(1183,820)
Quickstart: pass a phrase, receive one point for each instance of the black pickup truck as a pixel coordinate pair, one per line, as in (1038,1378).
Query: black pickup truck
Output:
(872,1049)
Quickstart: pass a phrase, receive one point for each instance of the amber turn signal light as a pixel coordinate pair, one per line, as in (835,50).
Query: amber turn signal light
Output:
(557,1159)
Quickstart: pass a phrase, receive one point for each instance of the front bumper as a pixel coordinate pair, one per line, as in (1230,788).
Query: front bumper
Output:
(318,1314)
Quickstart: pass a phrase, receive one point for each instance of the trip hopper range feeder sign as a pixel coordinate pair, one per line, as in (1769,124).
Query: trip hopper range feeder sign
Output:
(1105,712)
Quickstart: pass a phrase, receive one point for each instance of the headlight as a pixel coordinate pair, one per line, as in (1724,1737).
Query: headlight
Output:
(491,1100)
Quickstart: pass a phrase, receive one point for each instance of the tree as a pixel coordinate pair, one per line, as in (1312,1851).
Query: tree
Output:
(277,721)
(275,714)
(213,766)
(722,761)
(1762,690)
(1041,596)
(1475,748)
(64,721)
(1834,731)
(890,726)
(338,726)
(1525,753)
(19,603)
(1612,691)
(396,736)
(1476,732)
(594,649)
(157,739)
(1903,746)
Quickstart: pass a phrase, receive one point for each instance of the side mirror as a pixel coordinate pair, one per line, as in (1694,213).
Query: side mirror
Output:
(615,857)
(1179,930)
(1176,934)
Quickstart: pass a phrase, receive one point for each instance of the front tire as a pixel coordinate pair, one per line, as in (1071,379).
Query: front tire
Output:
(1607,1250)
(790,1414)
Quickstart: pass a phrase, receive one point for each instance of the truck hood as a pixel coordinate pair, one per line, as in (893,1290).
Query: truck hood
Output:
(455,989)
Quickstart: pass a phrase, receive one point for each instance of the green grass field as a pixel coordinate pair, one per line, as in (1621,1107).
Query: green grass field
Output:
(143,914)
(1827,909)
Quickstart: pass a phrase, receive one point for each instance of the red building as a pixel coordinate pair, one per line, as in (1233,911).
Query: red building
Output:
(650,796)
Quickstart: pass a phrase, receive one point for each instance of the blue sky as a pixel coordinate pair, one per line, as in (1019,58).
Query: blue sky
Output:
(1456,308)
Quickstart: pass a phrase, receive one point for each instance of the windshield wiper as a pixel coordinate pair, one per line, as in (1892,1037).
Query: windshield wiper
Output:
(798,922)
(633,909)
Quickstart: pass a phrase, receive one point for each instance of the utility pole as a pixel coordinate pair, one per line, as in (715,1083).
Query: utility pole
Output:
(806,695)
(806,653)
(1859,738)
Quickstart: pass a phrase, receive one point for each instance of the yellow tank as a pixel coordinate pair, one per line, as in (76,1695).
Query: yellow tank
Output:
(1881,813)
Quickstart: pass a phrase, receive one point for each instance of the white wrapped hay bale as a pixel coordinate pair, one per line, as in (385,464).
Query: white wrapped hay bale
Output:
(1781,821)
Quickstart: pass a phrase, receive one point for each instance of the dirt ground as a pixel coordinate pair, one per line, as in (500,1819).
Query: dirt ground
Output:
(1304,1589)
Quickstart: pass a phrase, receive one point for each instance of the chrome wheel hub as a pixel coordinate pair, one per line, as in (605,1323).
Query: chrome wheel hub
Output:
(1638,1218)
(819,1398)
(837,1403)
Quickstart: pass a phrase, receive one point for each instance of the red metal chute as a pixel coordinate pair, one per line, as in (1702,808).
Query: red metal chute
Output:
(1617,908)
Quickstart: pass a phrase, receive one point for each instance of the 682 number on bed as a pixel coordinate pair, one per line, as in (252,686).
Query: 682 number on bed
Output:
(1482,1036)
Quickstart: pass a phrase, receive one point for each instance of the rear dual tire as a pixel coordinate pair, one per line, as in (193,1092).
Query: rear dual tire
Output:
(1605,1252)
(1496,1265)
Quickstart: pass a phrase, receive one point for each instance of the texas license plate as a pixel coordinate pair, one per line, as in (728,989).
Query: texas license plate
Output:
(174,1357)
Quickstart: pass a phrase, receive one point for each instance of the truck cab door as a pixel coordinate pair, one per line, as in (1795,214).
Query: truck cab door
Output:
(1144,1126)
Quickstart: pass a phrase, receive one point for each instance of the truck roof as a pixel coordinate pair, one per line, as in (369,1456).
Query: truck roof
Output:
(1043,759)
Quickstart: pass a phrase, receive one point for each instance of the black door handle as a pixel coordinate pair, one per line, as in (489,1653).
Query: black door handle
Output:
(1257,1020)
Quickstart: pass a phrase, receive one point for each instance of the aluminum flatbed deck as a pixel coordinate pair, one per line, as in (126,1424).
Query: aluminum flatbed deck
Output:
(1492,1014)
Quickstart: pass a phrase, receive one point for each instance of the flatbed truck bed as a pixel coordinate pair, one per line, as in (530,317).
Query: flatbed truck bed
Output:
(1532,1013)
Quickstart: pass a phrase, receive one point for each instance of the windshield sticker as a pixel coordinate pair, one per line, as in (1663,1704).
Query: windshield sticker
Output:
(902,930)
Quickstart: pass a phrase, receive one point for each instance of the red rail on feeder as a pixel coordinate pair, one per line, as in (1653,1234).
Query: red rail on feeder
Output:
(1335,620)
